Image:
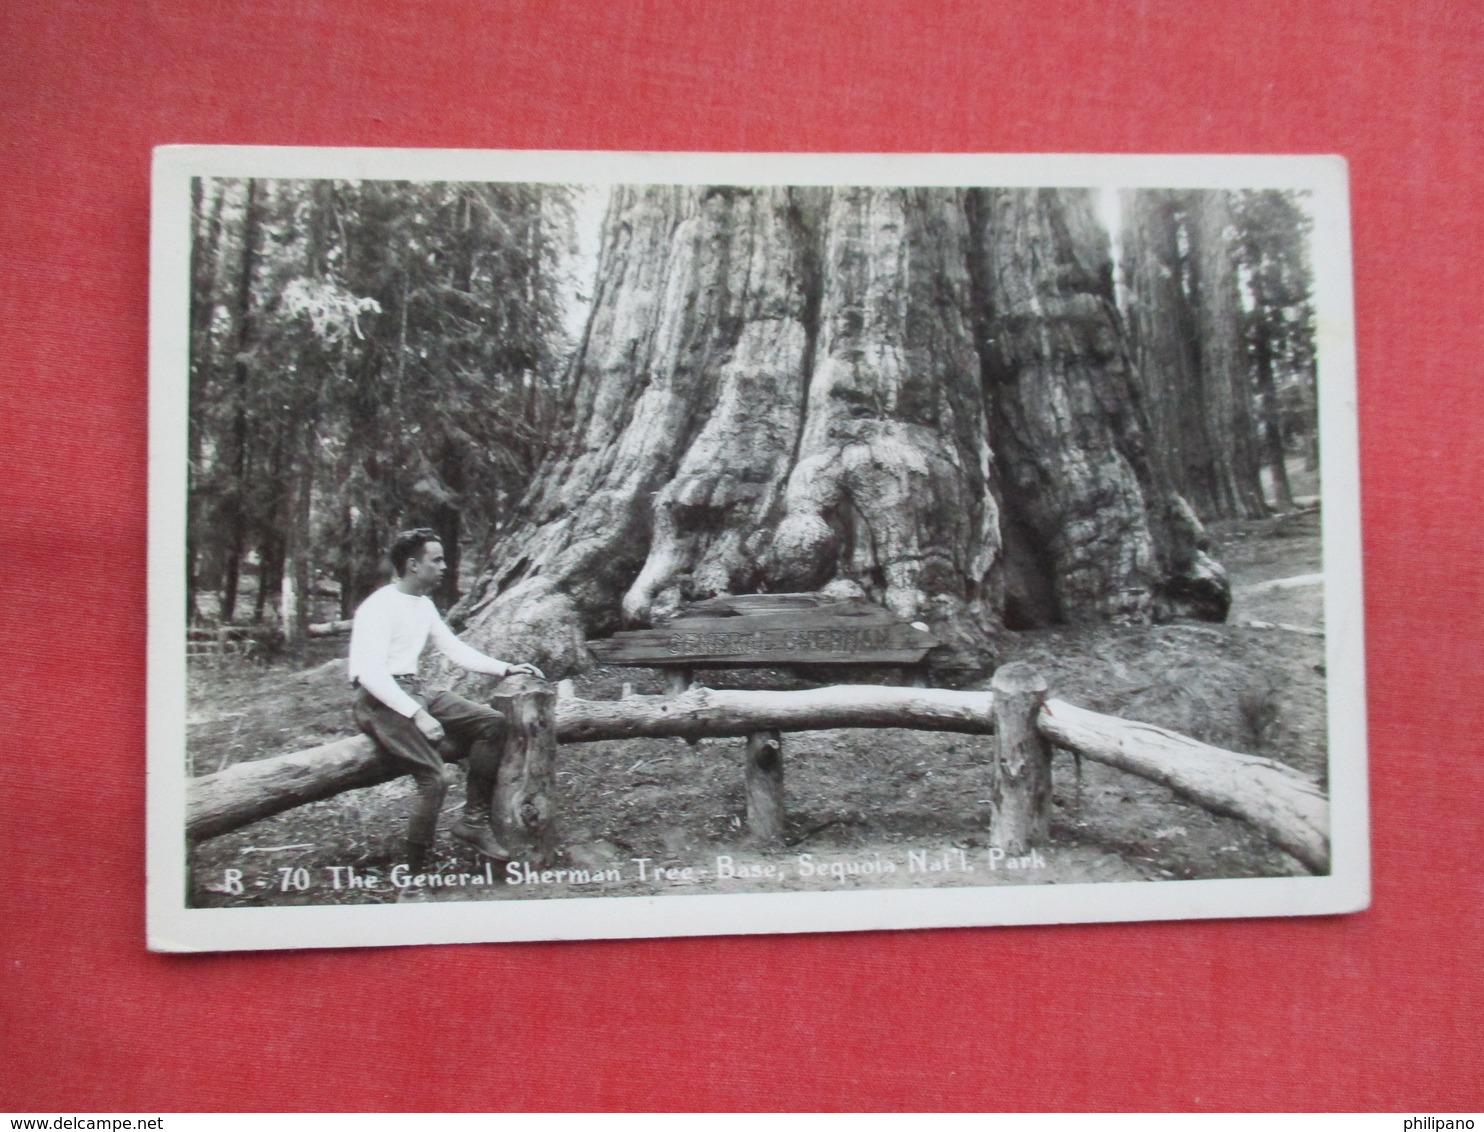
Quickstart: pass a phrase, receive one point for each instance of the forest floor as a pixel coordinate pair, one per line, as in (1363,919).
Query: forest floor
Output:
(856,799)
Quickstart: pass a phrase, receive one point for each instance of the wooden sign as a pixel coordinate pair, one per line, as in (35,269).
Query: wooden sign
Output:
(772,629)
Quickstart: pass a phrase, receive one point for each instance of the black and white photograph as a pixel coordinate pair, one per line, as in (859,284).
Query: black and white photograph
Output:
(559,545)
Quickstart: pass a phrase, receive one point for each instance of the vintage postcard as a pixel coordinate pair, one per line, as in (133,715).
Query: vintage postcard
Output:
(565,545)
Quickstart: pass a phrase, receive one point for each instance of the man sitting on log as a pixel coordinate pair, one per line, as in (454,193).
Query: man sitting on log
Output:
(390,631)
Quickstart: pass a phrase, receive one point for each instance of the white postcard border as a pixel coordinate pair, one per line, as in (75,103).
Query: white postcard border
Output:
(174,927)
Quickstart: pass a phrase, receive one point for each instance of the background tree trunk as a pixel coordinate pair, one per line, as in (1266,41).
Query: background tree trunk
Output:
(234,504)
(206,254)
(446,517)
(297,601)
(1185,321)
(1223,358)
(1162,334)
(1275,450)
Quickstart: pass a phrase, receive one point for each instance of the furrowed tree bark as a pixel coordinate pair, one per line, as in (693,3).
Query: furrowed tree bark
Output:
(1223,354)
(1185,323)
(781,389)
(1092,530)
(710,521)
(889,496)
(1289,809)
(699,304)
(1162,335)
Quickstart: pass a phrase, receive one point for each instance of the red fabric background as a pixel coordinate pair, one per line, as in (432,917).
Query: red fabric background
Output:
(1381,1009)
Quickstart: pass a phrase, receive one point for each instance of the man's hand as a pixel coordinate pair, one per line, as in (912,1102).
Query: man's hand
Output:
(432,730)
(525,669)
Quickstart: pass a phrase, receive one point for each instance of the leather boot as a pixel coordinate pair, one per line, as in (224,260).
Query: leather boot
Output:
(474,830)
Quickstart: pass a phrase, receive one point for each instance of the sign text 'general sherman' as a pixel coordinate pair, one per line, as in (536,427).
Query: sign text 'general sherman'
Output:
(825,633)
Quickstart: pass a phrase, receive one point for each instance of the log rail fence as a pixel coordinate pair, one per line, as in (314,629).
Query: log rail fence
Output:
(1025,725)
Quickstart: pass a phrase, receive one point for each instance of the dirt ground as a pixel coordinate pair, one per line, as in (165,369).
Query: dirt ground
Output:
(885,808)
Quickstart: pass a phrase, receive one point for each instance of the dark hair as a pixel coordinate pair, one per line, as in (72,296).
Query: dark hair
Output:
(408,545)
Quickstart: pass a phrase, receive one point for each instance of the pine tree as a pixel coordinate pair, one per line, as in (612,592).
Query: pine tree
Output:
(365,356)
(1271,248)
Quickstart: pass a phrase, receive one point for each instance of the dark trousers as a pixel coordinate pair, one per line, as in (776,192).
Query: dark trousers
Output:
(469,728)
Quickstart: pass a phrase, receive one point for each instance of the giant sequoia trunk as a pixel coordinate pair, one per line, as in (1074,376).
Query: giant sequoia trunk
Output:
(889,494)
(786,389)
(1092,528)
(1185,323)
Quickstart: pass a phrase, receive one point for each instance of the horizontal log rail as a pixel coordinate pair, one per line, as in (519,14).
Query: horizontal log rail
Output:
(1296,582)
(1287,808)
(699,712)
(1303,630)
(1291,811)
(250,791)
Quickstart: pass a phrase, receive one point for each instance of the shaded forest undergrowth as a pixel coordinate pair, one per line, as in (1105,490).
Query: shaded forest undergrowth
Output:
(852,795)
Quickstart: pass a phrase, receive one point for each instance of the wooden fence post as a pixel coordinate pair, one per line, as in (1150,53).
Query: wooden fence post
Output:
(764,776)
(1020,772)
(522,808)
(677,680)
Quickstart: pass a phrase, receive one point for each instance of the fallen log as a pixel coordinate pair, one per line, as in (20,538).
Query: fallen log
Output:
(1289,809)
(248,792)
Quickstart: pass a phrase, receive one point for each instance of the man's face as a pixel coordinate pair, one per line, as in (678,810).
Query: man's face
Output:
(427,568)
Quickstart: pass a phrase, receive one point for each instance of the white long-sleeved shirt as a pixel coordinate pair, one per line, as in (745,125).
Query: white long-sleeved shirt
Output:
(387,637)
